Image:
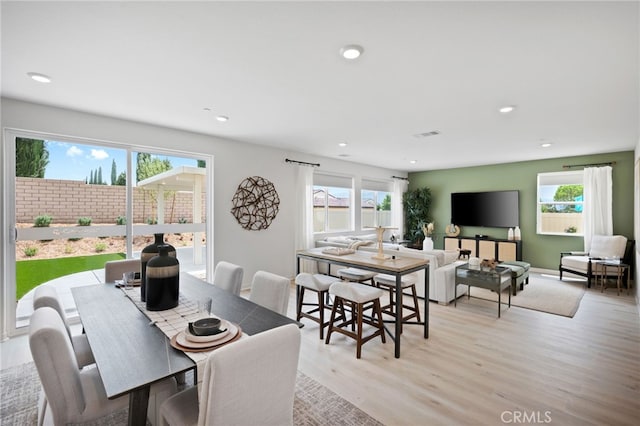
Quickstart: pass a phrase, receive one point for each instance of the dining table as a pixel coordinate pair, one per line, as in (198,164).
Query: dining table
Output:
(396,265)
(132,352)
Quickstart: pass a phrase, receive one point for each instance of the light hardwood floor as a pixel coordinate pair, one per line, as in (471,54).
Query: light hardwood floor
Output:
(476,369)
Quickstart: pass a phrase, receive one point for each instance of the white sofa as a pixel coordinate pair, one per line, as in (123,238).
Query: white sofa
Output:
(442,265)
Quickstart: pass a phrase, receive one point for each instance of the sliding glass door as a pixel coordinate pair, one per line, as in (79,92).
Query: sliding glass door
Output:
(76,204)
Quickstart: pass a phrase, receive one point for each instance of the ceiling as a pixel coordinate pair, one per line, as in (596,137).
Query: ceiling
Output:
(570,68)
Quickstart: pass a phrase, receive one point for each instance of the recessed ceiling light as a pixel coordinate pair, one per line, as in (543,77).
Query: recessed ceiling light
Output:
(40,78)
(427,134)
(507,109)
(413,161)
(222,118)
(351,51)
(206,109)
(545,145)
(342,144)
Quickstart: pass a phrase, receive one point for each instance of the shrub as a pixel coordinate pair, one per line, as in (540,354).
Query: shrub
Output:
(42,221)
(182,220)
(100,247)
(152,221)
(571,230)
(84,221)
(121,220)
(68,249)
(30,251)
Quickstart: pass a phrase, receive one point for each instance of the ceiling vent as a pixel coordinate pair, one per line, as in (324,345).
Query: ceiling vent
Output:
(426,134)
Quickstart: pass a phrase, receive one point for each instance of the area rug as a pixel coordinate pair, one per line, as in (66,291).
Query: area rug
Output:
(314,404)
(542,294)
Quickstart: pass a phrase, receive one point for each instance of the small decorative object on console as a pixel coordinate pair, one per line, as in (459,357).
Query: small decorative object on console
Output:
(516,234)
(452,230)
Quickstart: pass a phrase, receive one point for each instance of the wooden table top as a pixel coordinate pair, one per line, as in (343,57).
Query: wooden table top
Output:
(365,259)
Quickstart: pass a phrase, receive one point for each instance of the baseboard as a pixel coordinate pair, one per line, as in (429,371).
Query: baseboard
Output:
(545,271)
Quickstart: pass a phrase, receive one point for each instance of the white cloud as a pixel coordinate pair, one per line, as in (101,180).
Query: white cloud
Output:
(99,154)
(74,151)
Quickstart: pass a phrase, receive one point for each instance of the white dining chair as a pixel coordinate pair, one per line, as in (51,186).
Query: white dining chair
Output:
(114,269)
(72,395)
(248,382)
(228,276)
(271,291)
(46,295)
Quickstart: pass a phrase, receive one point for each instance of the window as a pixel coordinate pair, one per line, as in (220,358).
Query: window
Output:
(560,201)
(375,204)
(332,203)
(91,207)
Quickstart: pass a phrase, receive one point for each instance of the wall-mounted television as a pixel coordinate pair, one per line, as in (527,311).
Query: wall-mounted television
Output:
(494,209)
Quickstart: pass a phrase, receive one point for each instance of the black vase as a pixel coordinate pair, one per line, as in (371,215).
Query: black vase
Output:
(163,280)
(147,253)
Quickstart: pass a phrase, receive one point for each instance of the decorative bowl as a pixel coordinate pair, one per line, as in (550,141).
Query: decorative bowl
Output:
(205,327)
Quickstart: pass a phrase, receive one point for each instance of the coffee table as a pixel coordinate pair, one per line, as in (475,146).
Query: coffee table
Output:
(493,279)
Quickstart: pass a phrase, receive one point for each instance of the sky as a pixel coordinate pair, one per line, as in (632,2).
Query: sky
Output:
(73,161)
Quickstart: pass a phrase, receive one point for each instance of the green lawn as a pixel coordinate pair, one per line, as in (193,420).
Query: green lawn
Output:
(31,273)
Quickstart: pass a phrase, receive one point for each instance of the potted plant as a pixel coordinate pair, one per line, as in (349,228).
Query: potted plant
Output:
(417,213)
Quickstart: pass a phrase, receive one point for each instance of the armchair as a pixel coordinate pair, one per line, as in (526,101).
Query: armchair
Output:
(602,246)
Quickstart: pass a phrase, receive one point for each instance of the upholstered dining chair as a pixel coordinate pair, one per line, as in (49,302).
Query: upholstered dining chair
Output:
(72,395)
(248,382)
(271,291)
(114,269)
(228,277)
(46,295)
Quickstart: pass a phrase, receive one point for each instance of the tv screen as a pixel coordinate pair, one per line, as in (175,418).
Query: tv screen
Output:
(496,209)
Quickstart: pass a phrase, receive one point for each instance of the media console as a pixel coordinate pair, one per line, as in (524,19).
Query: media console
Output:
(486,248)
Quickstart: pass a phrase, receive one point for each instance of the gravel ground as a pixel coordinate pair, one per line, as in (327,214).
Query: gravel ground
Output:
(88,246)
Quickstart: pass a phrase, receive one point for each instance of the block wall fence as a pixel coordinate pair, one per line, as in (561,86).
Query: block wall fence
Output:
(67,200)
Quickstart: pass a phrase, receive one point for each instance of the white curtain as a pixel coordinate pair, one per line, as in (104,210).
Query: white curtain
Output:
(304,214)
(397,211)
(597,211)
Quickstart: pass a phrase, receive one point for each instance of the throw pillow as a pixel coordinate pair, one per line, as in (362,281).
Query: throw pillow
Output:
(354,245)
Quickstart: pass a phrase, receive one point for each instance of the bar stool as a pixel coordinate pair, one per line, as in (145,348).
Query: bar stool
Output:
(389,283)
(320,284)
(359,297)
(356,275)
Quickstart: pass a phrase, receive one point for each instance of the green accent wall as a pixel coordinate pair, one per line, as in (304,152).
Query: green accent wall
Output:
(542,251)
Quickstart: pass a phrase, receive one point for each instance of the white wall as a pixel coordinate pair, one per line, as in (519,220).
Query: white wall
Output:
(271,249)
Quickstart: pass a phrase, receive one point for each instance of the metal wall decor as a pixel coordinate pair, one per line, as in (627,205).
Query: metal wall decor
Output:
(255,203)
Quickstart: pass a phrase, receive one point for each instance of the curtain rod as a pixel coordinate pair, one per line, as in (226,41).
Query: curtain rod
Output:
(400,177)
(304,163)
(568,166)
